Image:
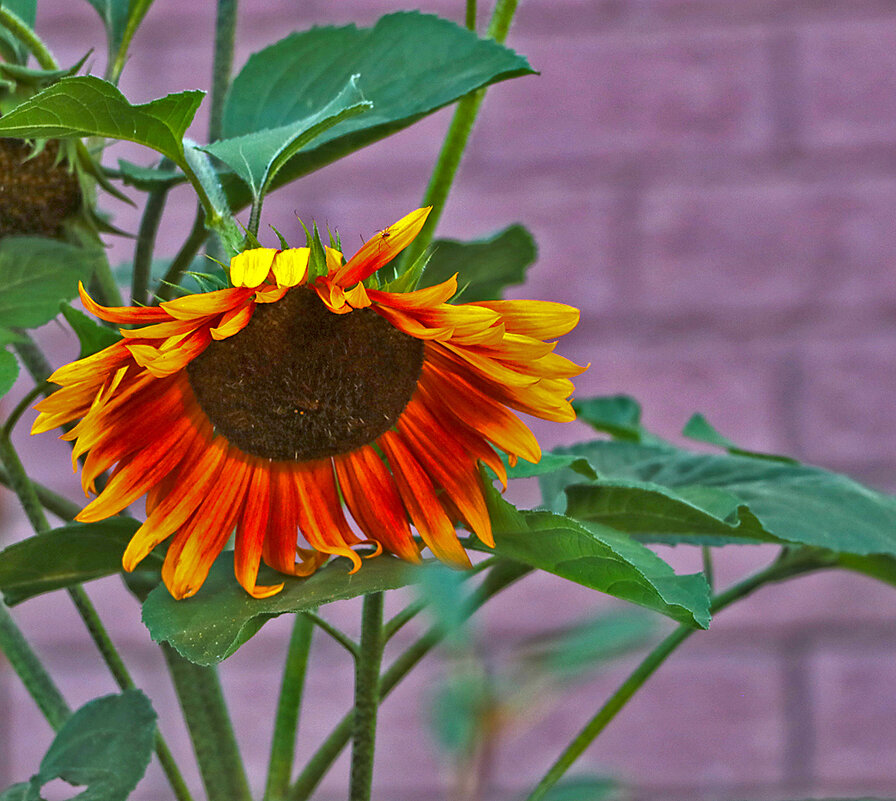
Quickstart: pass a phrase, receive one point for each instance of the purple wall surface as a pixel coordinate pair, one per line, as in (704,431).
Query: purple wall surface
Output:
(714,183)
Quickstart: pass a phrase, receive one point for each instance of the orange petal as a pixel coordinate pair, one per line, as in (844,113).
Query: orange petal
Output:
(250,532)
(233,322)
(409,301)
(422,502)
(381,249)
(370,494)
(198,543)
(121,314)
(205,304)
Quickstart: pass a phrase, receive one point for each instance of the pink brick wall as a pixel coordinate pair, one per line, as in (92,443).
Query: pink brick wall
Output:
(713,182)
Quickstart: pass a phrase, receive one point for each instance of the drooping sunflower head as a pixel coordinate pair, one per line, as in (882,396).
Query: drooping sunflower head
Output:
(309,412)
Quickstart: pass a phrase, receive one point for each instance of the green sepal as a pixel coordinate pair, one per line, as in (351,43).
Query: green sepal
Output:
(317,259)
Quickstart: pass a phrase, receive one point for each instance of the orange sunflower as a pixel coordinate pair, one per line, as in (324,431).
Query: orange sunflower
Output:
(266,407)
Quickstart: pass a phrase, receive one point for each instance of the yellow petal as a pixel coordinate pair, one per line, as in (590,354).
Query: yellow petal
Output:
(251,267)
(291,266)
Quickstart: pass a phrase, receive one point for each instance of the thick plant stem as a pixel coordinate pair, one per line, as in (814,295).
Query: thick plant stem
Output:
(502,575)
(63,508)
(784,568)
(286,723)
(34,360)
(29,669)
(367,697)
(470,15)
(225,35)
(17,27)
(455,143)
(211,731)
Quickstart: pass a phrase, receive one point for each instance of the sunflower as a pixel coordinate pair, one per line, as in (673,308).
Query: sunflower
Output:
(271,406)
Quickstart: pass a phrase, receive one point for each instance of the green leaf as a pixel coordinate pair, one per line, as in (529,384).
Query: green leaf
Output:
(698,428)
(410,64)
(72,554)
(92,336)
(216,621)
(36,274)
(792,503)
(9,371)
(616,415)
(149,179)
(105,745)
(89,106)
(257,157)
(550,462)
(484,267)
(598,557)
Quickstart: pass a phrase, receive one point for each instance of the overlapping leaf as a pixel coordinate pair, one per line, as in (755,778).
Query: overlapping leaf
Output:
(598,557)
(9,371)
(668,494)
(410,64)
(89,106)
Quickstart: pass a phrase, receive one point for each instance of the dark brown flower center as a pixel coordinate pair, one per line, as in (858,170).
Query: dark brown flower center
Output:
(299,382)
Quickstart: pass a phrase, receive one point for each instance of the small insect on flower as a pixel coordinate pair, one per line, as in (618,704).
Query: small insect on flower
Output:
(401,396)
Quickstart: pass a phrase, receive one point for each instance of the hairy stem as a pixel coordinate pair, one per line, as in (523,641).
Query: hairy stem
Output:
(195,240)
(286,724)
(211,731)
(17,27)
(367,697)
(146,241)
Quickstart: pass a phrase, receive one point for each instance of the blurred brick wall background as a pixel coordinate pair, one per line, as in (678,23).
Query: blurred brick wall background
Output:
(714,183)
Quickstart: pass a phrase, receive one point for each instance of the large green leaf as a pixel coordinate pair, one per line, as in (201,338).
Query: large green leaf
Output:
(410,64)
(9,371)
(257,157)
(36,274)
(484,267)
(71,554)
(216,621)
(89,106)
(791,503)
(105,745)
(598,557)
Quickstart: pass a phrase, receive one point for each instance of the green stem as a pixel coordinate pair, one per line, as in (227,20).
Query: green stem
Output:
(211,731)
(786,567)
(146,241)
(225,35)
(341,637)
(63,508)
(195,240)
(470,15)
(34,360)
(367,697)
(28,667)
(286,723)
(708,570)
(23,406)
(18,28)
(104,286)
(21,485)
(502,575)
(455,143)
